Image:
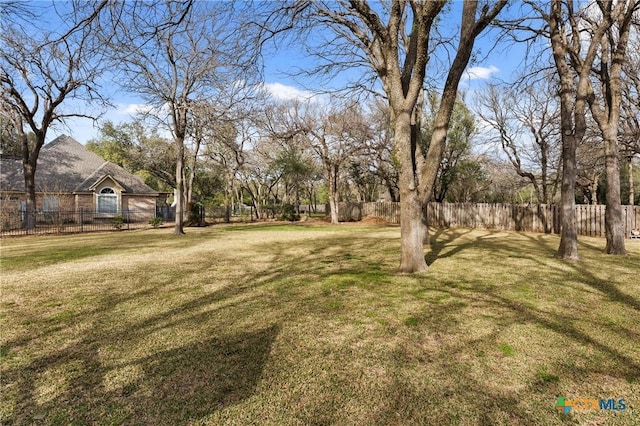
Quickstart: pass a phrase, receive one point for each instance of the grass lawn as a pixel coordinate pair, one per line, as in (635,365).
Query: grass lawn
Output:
(311,324)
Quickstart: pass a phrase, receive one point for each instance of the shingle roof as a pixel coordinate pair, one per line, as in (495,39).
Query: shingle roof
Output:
(65,165)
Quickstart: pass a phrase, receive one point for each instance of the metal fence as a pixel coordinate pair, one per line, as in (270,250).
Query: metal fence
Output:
(75,221)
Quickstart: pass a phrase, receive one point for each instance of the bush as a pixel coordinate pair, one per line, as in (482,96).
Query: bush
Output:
(156,222)
(289,213)
(117,222)
(196,215)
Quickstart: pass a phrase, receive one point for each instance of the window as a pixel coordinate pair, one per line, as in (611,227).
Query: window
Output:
(51,203)
(107,201)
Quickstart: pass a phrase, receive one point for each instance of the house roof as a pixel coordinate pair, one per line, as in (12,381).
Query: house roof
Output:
(67,166)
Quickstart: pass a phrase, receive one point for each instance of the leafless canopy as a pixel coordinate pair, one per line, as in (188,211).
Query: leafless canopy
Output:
(42,71)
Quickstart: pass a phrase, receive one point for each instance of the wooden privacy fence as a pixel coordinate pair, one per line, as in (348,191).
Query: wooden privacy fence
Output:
(516,217)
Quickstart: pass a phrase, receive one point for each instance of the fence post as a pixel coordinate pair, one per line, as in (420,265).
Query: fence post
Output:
(82,219)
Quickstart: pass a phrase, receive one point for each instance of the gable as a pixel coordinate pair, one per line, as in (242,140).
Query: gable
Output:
(107,181)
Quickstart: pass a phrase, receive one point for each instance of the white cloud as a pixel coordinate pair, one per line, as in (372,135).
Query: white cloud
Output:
(481,73)
(283,92)
(134,109)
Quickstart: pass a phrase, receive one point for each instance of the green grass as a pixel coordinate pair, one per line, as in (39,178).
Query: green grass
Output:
(311,324)
(506,349)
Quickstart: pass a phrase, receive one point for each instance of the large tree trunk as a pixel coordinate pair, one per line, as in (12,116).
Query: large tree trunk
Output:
(572,122)
(568,249)
(411,204)
(426,238)
(399,52)
(333,207)
(258,206)
(333,193)
(30,156)
(617,21)
(411,233)
(613,223)
(179,225)
(631,189)
(30,191)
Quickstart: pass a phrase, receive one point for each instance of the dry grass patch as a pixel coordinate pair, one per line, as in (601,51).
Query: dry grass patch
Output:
(285,324)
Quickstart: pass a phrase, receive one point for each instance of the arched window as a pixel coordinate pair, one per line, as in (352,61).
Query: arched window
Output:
(107,201)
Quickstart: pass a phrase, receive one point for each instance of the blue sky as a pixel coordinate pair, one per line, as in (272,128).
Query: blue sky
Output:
(500,64)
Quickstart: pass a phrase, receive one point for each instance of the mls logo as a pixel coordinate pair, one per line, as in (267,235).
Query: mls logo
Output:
(612,404)
(567,406)
(563,405)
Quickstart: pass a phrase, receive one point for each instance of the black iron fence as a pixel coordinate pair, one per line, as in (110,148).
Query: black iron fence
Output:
(75,221)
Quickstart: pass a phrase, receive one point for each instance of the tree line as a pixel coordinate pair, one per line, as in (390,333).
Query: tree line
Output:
(397,126)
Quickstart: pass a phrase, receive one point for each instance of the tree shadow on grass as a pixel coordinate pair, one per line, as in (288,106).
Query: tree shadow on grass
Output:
(58,249)
(543,255)
(339,263)
(544,250)
(74,384)
(193,381)
(446,237)
(605,287)
(441,239)
(319,281)
(582,269)
(628,367)
(169,387)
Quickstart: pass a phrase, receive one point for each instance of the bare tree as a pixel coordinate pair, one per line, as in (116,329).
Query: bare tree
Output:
(260,175)
(525,125)
(47,76)
(221,128)
(573,58)
(226,144)
(383,159)
(176,55)
(630,116)
(606,104)
(394,40)
(581,38)
(572,116)
(336,136)
(590,164)
(582,41)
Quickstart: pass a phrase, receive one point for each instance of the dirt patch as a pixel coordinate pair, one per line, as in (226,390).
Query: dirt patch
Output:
(366,221)
(373,220)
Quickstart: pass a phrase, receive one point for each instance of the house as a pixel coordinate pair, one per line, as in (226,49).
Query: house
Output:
(69,177)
